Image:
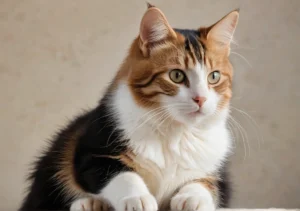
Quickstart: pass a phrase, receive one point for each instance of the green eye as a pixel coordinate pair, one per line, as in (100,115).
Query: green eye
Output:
(177,76)
(214,77)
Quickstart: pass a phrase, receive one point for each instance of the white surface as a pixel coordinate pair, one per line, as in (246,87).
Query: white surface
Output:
(270,209)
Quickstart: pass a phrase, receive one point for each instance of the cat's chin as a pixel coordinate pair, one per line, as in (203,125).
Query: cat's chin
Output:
(191,118)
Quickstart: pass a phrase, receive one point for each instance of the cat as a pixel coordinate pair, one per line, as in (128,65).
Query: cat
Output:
(158,138)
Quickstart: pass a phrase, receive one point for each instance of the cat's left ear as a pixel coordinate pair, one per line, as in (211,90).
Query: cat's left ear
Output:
(221,33)
(154,29)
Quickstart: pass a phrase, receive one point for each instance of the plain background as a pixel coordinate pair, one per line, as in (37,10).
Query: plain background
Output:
(56,57)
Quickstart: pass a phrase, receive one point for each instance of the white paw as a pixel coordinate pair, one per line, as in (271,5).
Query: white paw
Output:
(89,204)
(191,202)
(138,203)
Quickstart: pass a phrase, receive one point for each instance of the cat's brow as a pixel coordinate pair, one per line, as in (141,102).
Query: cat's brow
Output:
(149,82)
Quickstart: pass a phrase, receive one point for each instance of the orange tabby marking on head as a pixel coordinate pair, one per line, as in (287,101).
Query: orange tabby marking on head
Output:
(151,57)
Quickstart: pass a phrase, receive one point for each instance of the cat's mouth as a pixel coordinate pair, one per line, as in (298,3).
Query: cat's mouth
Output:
(196,113)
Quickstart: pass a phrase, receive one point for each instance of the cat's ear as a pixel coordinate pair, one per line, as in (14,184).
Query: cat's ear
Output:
(221,33)
(154,28)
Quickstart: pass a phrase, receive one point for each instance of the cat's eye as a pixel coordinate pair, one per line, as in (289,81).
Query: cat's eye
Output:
(177,76)
(214,77)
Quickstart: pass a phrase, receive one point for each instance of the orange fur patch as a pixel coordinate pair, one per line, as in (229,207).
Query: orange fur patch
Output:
(65,175)
(145,168)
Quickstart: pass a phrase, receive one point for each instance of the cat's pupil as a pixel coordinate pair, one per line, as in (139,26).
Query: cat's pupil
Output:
(178,75)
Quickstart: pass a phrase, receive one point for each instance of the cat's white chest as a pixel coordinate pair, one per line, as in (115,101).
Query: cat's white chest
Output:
(191,148)
(180,157)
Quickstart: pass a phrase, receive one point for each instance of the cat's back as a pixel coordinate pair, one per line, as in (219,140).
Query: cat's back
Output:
(52,174)
(44,190)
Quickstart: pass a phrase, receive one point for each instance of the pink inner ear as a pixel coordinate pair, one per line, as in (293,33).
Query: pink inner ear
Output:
(147,25)
(154,26)
(223,31)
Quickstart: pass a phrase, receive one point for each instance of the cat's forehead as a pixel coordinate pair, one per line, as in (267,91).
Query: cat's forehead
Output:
(192,42)
(183,53)
(193,48)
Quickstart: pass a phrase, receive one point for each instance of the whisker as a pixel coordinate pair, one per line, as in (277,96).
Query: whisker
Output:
(164,118)
(235,125)
(158,110)
(231,129)
(252,122)
(248,63)
(242,132)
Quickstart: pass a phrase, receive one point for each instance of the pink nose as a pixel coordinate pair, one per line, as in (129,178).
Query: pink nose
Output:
(199,100)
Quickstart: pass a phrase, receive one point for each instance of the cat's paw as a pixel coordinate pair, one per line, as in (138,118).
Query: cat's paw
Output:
(191,202)
(89,204)
(138,203)
(193,197)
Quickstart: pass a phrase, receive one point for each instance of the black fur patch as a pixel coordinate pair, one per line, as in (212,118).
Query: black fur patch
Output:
(101,137)
(224,188)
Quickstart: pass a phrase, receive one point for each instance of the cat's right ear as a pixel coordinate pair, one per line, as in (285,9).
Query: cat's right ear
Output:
(154,29)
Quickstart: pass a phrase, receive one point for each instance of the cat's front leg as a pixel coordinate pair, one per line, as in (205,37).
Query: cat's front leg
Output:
(128,192)
(199,195)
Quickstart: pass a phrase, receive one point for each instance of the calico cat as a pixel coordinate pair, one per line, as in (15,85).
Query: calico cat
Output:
(158,137)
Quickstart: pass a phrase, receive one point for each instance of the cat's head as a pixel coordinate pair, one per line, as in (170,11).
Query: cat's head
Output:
(187,73)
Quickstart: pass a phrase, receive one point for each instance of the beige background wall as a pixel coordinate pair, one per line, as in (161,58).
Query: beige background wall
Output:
(57,56)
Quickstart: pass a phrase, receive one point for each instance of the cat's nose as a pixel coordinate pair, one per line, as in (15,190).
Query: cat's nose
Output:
(199,100)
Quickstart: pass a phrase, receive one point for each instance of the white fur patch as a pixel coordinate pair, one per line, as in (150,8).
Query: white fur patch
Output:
(128,192)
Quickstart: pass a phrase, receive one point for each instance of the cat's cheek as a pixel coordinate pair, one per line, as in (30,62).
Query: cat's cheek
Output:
(211,105)
(179,105)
